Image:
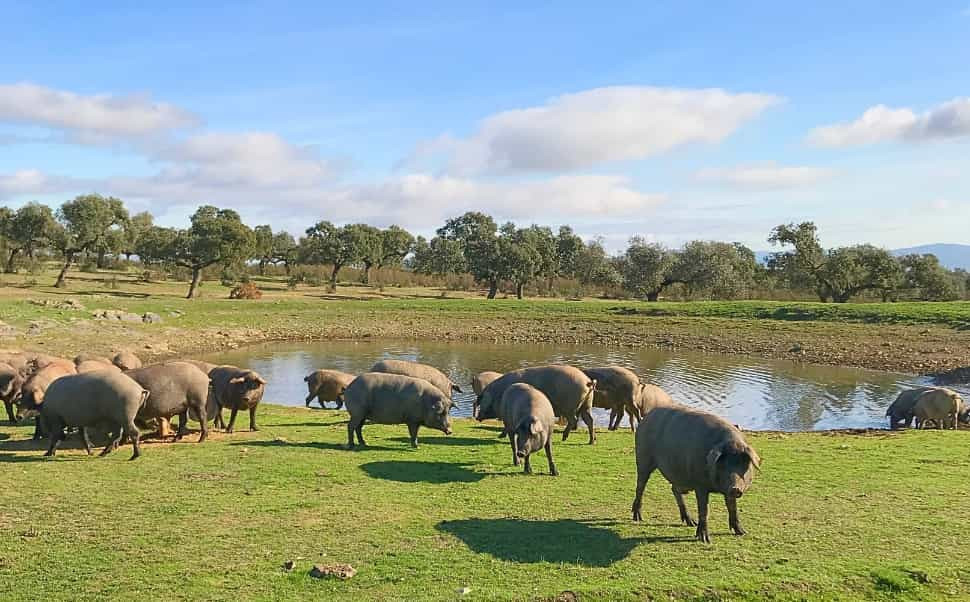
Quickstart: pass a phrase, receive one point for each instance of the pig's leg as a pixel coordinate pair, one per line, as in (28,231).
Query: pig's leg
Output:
(10,413)
(252,419)
(204,421)
(232,419)
(413,432)
(219,423)
(571,425)
(310,397)
(515,456)
(614,422)
(86,439)
(113,445)
(685,516)
(528,465)
(701,533)
(350,433)
(552,463)
(733,522)
(135,437)
(55,433)
(183,428)
(360,432)
(643,475)
(588,419)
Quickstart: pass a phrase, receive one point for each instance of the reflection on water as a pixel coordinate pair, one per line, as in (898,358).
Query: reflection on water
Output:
(754,393)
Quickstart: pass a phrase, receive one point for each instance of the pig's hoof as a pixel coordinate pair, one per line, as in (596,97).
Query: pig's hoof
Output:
(687,520)
(554,473)
(253,429)
(637,515)
(702,536)
(738,530)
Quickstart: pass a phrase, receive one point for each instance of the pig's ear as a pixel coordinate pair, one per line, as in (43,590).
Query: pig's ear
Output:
(261,380)
(755,458)
(536,427)
(236,380)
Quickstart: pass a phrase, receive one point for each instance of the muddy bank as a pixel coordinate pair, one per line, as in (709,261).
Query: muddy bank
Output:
(902,348)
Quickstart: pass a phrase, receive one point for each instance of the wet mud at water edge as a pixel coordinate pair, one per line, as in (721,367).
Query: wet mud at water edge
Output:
(754,393)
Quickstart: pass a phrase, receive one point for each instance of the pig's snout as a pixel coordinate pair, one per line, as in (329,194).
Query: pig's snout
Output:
(735,492)
(520,453)
(447,430)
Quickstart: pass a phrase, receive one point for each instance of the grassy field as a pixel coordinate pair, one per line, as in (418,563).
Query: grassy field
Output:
(829,517)
(908,337)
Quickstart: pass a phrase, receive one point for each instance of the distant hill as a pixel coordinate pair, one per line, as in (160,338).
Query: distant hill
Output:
(950,255)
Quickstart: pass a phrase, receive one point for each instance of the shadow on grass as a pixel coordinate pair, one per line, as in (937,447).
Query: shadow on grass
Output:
(445,440)
(563,541)
(404,471)
(314,445)
(4,436)
(286,424)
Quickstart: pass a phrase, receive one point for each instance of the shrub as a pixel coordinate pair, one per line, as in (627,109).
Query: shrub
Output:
(246,290)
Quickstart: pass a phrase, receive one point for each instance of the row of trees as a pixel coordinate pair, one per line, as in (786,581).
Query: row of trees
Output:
(494,255)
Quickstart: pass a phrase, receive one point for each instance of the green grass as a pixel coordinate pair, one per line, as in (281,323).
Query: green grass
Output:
(162,297)
(830,517)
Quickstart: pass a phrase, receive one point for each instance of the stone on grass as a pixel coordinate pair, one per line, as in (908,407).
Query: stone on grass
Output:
(332,571)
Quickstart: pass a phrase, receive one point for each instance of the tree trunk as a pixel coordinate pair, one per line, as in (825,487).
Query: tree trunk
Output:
(365,277)
(286,266)
(102,263)
(492,288)
(262,267)
(13,255)
(128,255)
(333,278)
(196,279)
(518,290)
(653,296)
(62,277)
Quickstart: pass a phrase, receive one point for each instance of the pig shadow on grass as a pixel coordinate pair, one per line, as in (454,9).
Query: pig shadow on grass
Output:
(563,541)
(314,445)
(407,471)
(443,440)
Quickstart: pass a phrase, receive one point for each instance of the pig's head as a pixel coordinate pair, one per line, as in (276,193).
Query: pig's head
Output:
(530,436)
(248,387)
(730,466)
(485,406)
(436,407)
(30,401)
(9,379)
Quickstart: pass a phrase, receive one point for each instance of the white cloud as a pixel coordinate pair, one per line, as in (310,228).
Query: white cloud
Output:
(90,118)
(765,176)
(416,200)
(577,131)
(421,199)
(32,181)
(257,159)
(880,123)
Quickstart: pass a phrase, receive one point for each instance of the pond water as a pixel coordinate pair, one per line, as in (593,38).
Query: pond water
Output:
(754,393)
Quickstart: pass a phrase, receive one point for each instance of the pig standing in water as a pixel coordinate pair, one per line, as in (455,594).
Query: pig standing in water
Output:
(395,399)
(236,389)
(695,451)
(529,419)
(103,399)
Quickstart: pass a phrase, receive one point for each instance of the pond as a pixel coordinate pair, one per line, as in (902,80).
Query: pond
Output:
(751,392)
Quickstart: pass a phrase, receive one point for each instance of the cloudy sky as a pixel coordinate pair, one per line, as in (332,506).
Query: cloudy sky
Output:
(700,120)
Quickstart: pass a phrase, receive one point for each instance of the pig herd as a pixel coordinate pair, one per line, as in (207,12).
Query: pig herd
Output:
(694,450)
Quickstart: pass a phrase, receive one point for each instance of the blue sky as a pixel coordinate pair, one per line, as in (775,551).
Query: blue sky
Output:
(673,121)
